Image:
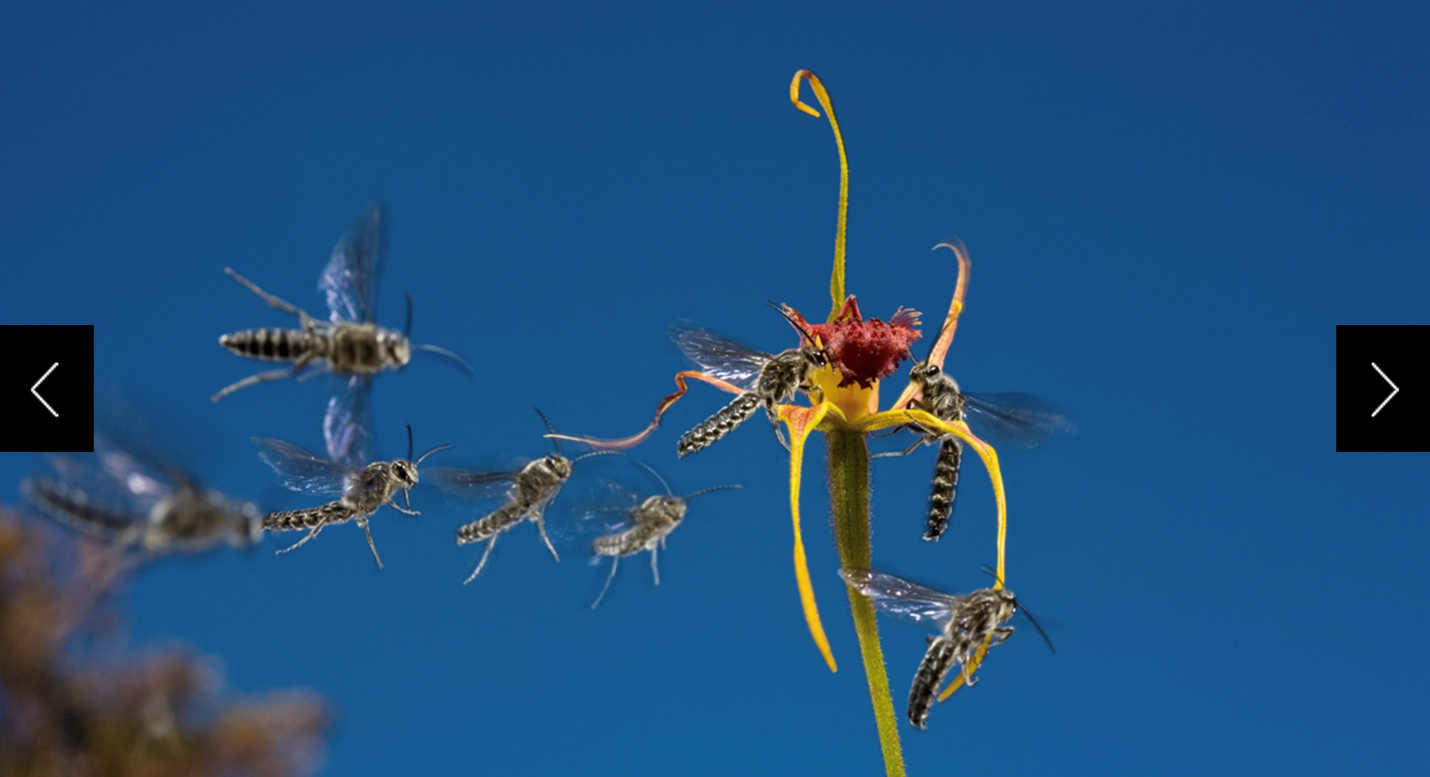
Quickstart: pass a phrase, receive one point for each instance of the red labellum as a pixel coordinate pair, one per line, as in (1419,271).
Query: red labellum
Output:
(863,350)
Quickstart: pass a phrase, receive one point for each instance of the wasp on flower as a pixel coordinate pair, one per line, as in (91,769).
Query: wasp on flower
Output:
(839,365)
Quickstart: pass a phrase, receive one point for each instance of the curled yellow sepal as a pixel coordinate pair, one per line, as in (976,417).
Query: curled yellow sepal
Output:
(950,322)
(801,421)
(836,280)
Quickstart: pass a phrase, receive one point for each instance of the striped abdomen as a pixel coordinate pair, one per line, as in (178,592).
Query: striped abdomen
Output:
(628,542)
(945,487)
(308,518)
(273,345)
(74,509)
(937,661)
(718,425)
(506,516)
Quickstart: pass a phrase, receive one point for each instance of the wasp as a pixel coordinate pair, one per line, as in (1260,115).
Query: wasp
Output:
(652,521)
(528,492)
(1022,420)
(132,496)
(965,621)
(767,379)
(350,345)
(360,492)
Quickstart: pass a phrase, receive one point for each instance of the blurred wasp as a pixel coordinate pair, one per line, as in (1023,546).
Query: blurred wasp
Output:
(528,492)
(360,492)
(1021,420)
(350,345)
(653,520)
(766,380)
(136,498)
(966,621)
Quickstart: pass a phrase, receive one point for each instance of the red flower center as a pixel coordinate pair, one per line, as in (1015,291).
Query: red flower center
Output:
(866,350)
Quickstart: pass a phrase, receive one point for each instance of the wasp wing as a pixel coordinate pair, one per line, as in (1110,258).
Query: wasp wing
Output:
(347,423)
(902,599)
(302,470)
(349,281)
(717,355)
(471,484)
(1016,419)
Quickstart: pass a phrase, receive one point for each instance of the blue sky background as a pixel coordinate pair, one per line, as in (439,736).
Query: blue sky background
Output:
(1169,208)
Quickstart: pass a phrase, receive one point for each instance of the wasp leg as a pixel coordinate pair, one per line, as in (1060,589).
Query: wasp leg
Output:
(399,508)
(264,377)
(615,561)
(311,534)
(654,570)
(492,543)
(775,422)
(286,307)
(540,520)
(903,452)
(365,530)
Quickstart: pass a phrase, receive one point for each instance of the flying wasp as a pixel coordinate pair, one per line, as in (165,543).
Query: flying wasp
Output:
(360,492)
(653,520)
(350,345)
(966,621)
(1021,420)
(133,497)
(767,379)
(528,493)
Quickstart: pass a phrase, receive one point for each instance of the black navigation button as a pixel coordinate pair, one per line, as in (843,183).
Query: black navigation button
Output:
(46,388)
(1383,388)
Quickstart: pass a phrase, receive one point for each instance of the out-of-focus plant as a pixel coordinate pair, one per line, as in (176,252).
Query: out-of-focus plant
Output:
(845,408)
(73,704)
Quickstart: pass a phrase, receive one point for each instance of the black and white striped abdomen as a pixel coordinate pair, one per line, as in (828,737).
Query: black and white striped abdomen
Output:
(944,488)
(74,509)
(489,526)
(940,658)
(626,543)
(273,345)
(308,518)
(718,425)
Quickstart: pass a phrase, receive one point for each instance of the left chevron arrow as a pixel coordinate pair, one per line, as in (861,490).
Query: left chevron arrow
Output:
(35,389)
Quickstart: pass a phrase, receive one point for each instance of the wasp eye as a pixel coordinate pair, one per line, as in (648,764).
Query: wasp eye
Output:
(932,369)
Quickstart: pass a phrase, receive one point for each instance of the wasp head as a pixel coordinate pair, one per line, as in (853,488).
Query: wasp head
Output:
(559,465)
(396,347)
(405,472)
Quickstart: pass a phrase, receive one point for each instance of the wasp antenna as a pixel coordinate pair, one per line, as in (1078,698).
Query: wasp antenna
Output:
(1029,615)
(585,456)
(651,470)
(549,428)
(802,330)
(409,442)
(407,327)
(712,489)
(462,364)
(424,456)
(989,571)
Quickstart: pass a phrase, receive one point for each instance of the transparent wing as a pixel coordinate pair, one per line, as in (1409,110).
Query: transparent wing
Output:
(130,491)
(593,507)
(349,282)
(347,423)
(302,470)
(717,355)
(1019,420)
(471,484)
(898,597)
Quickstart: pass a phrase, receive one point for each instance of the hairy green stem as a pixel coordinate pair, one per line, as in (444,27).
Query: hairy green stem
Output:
(849,491)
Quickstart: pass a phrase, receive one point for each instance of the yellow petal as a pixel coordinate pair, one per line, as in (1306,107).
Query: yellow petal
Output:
(950,322)
(836,281)
(960,430)
(801,422)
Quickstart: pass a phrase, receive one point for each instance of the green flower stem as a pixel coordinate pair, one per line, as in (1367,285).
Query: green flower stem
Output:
(849,492)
